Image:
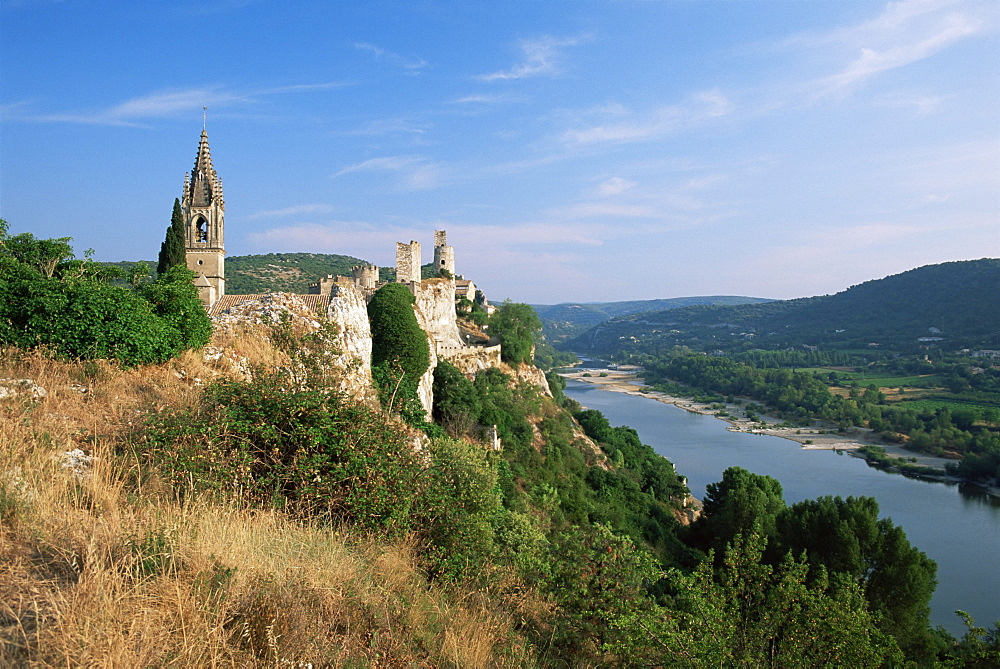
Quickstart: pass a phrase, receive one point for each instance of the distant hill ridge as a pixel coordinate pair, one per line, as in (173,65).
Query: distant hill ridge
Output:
(564,321)
(954,301)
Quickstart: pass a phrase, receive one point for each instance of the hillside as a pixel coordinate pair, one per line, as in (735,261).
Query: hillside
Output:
(570,319)
(954,304)
(288,272)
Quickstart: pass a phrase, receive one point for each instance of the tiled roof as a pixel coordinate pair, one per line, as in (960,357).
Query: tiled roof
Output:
(318,303)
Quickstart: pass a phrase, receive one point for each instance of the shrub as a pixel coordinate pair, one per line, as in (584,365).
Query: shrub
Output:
(400,353)
(308,452)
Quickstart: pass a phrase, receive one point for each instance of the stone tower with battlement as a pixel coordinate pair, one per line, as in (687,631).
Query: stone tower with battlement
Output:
(444,255)
(204,224)
(365,276)
(408,262)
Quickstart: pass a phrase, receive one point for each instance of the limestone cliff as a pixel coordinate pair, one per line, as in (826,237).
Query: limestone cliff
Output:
(435,309)
(349,311)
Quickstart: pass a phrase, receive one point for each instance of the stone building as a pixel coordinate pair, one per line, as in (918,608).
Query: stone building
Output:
(408,262)
(444,255)
(204,210)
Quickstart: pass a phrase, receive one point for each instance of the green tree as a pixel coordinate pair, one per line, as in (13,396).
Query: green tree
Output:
(738,504)
(456,402)
(846,536)
(753,614)
(49,298)
(515,325)
(400,354)
(173,249)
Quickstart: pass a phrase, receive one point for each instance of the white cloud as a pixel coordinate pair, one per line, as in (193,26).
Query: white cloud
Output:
(697,109)
(171,103)
(541,57)
(390,126)
(603,210)
(417,173)
(612,186)
(903,34)
(390,163)
(411,65)
(482,99)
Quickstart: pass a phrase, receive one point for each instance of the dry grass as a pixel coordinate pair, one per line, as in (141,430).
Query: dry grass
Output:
(95,571)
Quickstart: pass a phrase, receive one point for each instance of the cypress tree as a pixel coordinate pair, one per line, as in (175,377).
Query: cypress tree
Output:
(172,250)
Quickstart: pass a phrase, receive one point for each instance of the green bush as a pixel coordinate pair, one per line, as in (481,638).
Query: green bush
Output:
(400,353)
(515,325)
(308,452)
(47,298)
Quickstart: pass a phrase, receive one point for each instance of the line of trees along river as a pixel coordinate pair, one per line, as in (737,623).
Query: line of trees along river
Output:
(956,526)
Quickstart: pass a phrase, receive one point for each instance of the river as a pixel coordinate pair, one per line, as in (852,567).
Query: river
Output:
(956,526)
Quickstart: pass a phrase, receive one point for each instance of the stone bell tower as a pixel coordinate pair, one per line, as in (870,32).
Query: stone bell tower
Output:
(204,223)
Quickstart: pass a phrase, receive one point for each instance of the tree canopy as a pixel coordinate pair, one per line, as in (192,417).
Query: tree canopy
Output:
(50,298)
(400,354)
(173,249)
(515,325)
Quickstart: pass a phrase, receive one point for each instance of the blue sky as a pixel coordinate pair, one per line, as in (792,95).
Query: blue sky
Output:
(573,150)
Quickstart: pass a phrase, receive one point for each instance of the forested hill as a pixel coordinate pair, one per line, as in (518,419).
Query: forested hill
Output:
(569,319)
(287,272)
(956,301)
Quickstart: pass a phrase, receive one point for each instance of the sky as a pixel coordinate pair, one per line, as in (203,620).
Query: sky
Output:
(573,150)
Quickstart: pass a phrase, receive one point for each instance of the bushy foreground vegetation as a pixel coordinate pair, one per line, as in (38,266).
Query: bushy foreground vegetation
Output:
(241,523)
(74,307)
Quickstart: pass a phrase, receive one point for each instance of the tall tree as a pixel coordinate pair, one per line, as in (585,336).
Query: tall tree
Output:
(172,250)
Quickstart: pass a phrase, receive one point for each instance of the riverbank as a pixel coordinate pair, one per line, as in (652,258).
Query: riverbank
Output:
(625,380)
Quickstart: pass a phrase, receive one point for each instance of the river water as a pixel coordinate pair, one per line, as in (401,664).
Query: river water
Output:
(956,526)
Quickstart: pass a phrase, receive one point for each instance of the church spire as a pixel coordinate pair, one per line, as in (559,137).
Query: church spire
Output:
(204,211)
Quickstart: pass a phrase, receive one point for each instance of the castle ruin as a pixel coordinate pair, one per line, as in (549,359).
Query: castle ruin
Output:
(444,255)
(408,262)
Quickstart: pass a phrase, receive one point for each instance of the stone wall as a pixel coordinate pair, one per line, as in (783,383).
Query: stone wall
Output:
(470,360)
(408,262)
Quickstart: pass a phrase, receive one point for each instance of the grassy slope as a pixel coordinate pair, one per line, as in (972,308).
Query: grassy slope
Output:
(96,570)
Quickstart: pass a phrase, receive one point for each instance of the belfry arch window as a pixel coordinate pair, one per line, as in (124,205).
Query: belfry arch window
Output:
(200,229)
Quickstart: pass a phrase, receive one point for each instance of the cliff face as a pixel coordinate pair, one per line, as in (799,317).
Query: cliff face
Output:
(349,311)
(435,309)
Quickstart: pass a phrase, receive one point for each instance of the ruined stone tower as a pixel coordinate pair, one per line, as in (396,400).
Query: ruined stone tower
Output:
(444,255)
(365,276)
(204,211)
(408,262)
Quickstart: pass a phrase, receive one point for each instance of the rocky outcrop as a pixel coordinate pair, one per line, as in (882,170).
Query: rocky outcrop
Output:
(349,311)
(21,387)
(529,374)
(470,360)
(435,309)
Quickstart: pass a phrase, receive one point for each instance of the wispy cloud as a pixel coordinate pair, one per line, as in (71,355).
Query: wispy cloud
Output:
(411,65)
(697,109)
(164,104)
(541,57)
(904,33)
(417,172)
(297,210)
(390,126)
(612,186)
(899,49)
(481,99)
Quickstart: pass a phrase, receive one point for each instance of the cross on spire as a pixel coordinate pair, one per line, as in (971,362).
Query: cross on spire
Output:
(204,118)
